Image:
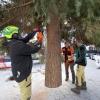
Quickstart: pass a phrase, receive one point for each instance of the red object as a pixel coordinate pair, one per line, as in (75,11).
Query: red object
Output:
(2,64)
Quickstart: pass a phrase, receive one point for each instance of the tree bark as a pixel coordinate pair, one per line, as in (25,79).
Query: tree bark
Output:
(53,77)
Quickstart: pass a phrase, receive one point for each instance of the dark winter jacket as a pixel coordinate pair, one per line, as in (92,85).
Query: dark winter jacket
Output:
(21,59)
(81,56)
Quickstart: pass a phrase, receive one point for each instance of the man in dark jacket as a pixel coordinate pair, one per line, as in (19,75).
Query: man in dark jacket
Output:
(21,59)
(80,71)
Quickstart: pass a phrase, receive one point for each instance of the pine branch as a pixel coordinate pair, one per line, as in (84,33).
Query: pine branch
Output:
(6,22)
(23,5)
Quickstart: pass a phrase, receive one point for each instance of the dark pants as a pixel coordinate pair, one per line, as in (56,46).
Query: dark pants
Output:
(71,65)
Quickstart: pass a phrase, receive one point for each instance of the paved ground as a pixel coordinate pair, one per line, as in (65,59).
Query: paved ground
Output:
(9,89)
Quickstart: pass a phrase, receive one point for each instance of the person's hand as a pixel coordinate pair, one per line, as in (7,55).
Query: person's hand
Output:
(35,44)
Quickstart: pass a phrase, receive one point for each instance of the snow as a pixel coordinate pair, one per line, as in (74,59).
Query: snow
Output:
(9,90)
(97,60)
(8,64)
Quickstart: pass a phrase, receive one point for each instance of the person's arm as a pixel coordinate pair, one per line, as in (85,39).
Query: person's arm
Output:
(28,37)
(28,50)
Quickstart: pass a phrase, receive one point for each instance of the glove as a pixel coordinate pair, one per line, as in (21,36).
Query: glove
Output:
(37,44)
(28,37)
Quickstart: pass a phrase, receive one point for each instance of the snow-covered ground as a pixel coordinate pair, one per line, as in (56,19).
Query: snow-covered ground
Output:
(97,60)
(9,89)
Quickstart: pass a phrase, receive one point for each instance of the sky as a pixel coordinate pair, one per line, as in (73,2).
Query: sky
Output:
(4,0)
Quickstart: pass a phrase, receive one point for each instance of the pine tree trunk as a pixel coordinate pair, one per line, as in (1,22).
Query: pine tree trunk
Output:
(53,76)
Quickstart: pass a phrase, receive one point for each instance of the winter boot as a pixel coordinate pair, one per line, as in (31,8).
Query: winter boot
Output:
(73,77)
(76,90)
(11,78)
(66,79)
(83,87)
(73,81)
(76,82)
